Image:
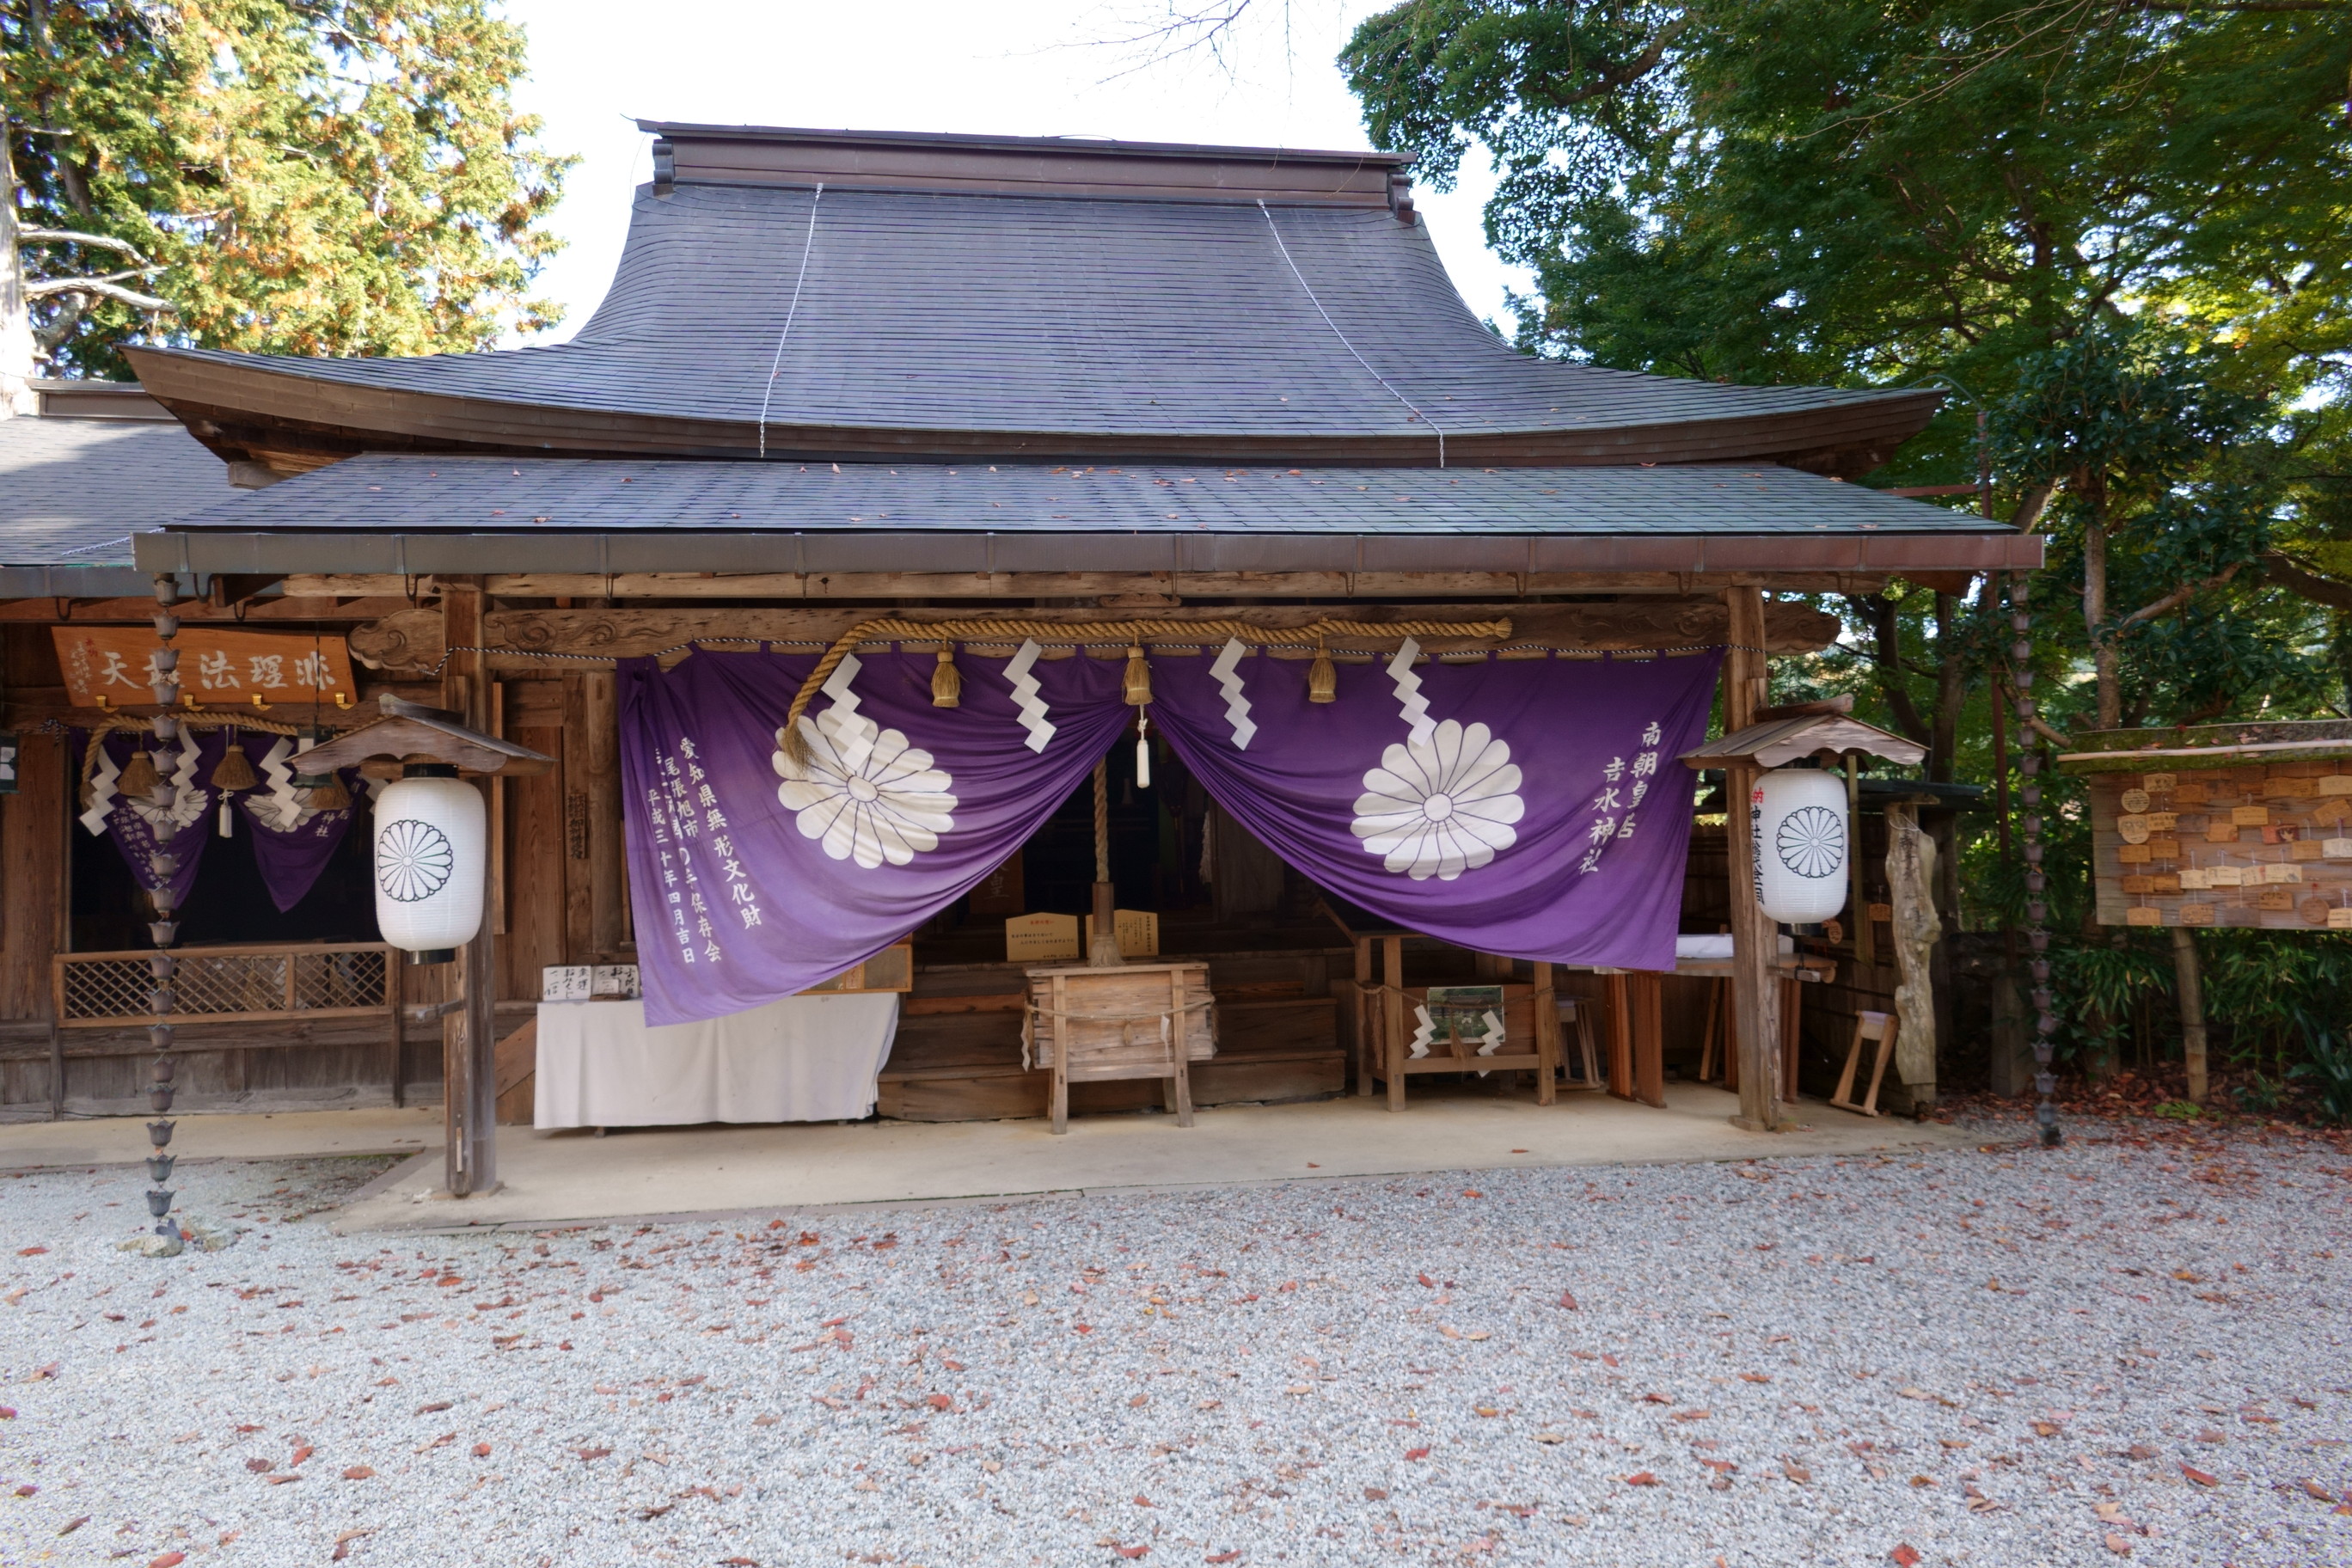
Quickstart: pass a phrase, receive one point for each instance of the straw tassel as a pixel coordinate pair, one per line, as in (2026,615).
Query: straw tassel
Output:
(1135,685)
(330,796)
(1322,679)
(139,780)
(234,770)
(947,680)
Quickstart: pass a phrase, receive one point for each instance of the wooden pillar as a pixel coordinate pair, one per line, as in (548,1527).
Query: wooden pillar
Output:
(1361,1016)
(1910,874)
(1621,1037)
(1392,1030)
(468,1042)
(1548,1037)
(1755,939)
(2191,978)
(608,882)
(1646,990)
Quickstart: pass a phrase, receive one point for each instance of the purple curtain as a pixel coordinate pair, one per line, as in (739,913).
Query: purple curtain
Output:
(1533,808)
(291,843)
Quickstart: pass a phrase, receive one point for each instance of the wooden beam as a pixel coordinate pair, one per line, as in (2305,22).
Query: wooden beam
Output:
(1754,938)
(415,639)
(383,598)
(837,587)
(607,876)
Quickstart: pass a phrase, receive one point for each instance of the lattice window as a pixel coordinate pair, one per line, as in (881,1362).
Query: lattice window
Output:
(281,981)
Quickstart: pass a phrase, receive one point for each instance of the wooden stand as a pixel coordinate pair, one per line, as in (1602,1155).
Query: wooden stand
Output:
(1530,1035)
(1142,1020)
(1883,1028)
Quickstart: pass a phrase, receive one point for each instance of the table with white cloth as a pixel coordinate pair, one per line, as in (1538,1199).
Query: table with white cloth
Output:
(804,1058)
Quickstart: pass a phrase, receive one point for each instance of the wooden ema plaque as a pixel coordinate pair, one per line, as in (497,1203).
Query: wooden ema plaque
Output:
(2267,846)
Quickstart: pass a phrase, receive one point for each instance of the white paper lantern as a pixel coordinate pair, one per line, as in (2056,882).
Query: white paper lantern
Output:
(1803,843)
(429,862)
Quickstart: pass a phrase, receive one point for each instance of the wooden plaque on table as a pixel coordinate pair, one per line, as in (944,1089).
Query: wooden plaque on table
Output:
(1041,939)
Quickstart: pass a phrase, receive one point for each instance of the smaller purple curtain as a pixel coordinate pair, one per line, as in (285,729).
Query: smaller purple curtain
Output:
(291,842)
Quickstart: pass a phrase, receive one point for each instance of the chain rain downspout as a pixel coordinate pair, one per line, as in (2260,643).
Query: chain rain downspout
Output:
(2037,883)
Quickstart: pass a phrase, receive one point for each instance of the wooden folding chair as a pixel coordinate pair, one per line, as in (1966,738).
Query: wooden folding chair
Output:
(1882,1027)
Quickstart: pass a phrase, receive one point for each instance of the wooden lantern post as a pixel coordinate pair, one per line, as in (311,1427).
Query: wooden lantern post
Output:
(416,734)
(1758,738)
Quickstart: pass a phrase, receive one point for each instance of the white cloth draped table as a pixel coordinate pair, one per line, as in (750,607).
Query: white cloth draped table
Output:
(805,1058)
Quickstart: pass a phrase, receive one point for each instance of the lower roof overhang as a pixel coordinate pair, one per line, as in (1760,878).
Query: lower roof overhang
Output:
(1029,553)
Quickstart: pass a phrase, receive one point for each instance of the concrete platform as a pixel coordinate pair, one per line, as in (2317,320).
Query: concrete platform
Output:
(554,1177)
(278,1136)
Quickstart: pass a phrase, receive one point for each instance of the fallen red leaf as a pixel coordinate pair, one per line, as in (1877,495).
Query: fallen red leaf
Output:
(168,1559)
(1568,1300)
(1223,1557)
(588,1454)
(2200,1476)
(481,1450)
(1131,1552)
(358,1473)
(1082,1328)
(1416,1453)
(30,1251)
(1640,1478)
(1906,1554)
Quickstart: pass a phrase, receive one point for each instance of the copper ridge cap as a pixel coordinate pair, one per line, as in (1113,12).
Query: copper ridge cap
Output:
(1078,146)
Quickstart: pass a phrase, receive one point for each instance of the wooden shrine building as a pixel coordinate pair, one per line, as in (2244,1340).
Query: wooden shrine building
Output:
(842,377)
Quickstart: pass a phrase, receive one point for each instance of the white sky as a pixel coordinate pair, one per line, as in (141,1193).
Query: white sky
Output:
(1005,67)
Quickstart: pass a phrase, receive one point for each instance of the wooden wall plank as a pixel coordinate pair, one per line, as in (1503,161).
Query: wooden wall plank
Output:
(535,868)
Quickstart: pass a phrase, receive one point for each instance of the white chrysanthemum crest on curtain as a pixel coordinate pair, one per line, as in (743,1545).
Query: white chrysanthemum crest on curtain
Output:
(864,794)
(1444,800)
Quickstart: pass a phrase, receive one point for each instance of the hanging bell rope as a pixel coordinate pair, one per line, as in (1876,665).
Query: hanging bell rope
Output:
(981,629)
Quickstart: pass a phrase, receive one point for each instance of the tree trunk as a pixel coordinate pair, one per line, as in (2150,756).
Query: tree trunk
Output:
(2094,615)
(16,359)
(1951,691)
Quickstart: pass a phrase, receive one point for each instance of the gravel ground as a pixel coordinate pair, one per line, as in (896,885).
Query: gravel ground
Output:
(2134,1347)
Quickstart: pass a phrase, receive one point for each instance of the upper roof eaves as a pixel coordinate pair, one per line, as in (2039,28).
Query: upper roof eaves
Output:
(1025,298)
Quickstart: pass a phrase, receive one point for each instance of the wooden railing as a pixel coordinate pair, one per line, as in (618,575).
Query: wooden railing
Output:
(231,985)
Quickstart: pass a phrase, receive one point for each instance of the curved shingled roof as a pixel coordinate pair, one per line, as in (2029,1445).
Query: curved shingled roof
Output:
(957,324)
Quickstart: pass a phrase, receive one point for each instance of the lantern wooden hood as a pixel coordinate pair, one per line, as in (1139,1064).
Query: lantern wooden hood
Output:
(1818,729)
(411,733)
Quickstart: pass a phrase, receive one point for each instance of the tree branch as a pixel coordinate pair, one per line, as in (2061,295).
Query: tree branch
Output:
(2029,508)
(106,289)
(1887,631)
(2175,599)
(2281,571)
(76,236)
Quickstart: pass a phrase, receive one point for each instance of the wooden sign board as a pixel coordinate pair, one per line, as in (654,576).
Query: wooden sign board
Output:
(1003,890)
(1138,931)
(218,667)
(1040,938)
(2266,845)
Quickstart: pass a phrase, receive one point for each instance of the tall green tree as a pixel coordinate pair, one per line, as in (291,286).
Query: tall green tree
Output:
(1874,193)
(300,176)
